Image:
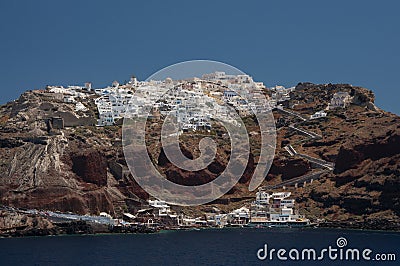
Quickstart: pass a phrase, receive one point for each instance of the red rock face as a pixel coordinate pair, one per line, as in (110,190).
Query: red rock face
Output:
(347,158)
(91,166)
(188,178)
(351,154)
(132,187)
(290,168)
(163,160)
(213,170)
(248,172)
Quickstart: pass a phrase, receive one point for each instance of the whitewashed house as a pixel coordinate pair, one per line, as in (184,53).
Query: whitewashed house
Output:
(339,100)
(319,114)
(239,217)
(192,106)
(61,89)
(104,107)
(163,208)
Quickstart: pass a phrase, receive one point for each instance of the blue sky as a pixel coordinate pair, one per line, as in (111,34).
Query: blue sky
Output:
(278,42)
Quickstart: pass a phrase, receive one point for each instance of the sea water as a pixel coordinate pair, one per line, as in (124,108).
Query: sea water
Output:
(230,246)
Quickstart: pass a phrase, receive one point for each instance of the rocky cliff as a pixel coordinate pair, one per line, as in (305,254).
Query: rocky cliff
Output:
(79,167)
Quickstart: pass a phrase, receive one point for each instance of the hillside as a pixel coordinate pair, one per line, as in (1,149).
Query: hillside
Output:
(79,167)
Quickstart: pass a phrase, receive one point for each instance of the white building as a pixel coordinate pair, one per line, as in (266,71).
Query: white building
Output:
(194,102)
(70,93)
(239,216)
(163,208)
(319,114)
(275,209)
(339,100)
(61,89)
(280,93)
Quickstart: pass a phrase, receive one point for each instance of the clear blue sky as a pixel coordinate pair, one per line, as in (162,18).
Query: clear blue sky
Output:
(278,42)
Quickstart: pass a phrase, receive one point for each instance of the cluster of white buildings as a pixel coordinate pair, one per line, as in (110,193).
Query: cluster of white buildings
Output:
(159,212)
(239,91)
(194,102)
(112,105)
(275,209)
(340,99)
(72,94)
(279,94)
(163,209)
(268,209)
(113,101)
(238,217)
(190,106)
(280,207)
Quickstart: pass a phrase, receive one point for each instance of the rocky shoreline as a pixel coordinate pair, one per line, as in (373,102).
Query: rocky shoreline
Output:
(70,228)
(73,228)
(14,224)
(84,228)
(61,232)
(383,225)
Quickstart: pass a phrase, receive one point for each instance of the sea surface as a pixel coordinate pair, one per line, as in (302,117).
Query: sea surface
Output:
(231,246)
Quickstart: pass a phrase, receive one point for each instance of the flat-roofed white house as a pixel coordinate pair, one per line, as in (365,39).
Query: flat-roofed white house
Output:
(59,89)
(319,114)
(163,208)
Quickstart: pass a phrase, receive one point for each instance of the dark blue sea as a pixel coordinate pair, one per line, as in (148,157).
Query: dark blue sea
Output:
(204,247)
